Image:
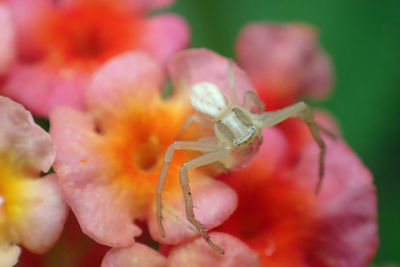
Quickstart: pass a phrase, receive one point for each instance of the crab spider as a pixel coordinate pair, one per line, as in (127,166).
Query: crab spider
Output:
(237,137)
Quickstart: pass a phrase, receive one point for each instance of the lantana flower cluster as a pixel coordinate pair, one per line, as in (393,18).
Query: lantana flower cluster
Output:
(100,72)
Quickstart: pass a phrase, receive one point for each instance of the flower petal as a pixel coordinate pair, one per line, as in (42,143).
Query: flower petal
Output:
(346,206)
(284,62)
(201,65)
(271,158)
(46,212)
(198,253)
(213,203)
(298,134)
(40,88)
(102,207)
(7,46)
(120,78)
(18,130)
(9,255)
(159,30)
(319,76)
(136,255)
(25,14)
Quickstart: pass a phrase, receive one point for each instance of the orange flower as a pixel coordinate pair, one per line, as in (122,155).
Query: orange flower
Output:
(109,159)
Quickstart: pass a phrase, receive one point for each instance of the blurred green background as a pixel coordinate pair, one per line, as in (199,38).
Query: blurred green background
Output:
(363,39)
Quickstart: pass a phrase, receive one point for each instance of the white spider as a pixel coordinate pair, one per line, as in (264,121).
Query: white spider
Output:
(237,138)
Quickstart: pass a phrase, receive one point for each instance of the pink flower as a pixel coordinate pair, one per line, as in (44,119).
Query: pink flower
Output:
(281,218)
(61,44)
(278,215)
(193,253)
(73,248)
(7,46)
(284,62)
(32,212)
(109,158)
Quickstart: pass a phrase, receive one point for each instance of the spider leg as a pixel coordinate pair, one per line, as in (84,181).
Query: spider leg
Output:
(185,145)
(250,95)
(304,112)
(232,86)
(194,118)
(327,132)
(202,160)
(308,117)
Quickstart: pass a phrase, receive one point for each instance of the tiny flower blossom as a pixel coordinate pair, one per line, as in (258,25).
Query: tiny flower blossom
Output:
(194,253)
(32,211)
(7,45)
(284,62)
(61,43)
(109,158)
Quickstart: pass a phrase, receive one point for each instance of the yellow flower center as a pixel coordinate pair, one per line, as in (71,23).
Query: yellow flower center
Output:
(12,205)
(134,142)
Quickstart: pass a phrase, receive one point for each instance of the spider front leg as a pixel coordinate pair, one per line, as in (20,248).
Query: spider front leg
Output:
(202,160)
(250,95)
(201,146)
(304,112)
(191,119)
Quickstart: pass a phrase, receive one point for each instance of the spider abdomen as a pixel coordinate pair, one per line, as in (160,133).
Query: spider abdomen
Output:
(209,100)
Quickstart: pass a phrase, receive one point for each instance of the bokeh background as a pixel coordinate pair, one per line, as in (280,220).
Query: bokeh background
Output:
(363,39)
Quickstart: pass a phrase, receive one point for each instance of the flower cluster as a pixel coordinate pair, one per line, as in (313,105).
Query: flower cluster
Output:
(98,70)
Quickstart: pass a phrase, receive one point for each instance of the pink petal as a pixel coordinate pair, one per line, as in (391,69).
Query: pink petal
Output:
(198,253)
(284,60)
(298,134)
(26,13)
(164,35)
(7,46)
(46,213)
(136,255)
(101,207)
(120,78)
(270,158)
(201,65)
(41,88)
(9,255)
(346,206)
(214,202)
(319,76)
(18,130)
